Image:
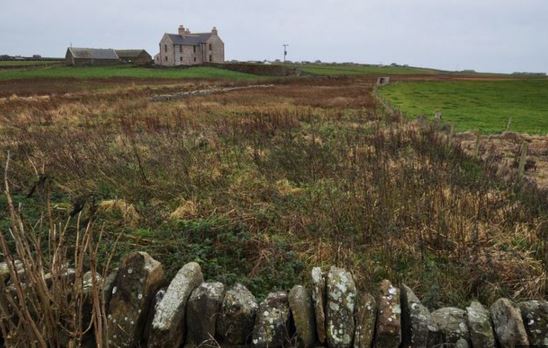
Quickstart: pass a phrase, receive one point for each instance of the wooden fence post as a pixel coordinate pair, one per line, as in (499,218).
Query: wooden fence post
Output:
(477,147)
(451,135)
(522,160)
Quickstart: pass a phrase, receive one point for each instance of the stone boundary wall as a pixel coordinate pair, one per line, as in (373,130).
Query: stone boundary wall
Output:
(144,310)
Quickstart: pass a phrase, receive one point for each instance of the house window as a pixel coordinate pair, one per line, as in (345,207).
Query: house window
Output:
(194,59)
(165,48)
(210,58)
(181,58)
(181,48)
(210,47)
(166,59)
(194,47)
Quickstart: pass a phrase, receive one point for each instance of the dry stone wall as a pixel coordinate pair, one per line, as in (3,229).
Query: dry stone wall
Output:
(146,310)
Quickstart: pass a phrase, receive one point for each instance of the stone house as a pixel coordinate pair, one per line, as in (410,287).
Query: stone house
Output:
(186,48)
(137,57)
(91,56)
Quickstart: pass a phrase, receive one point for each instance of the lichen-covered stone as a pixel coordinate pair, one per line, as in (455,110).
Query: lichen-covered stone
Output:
(108,284)
(235,324)
(302,309)
(168,329)
(158,296)
(136,282)
(203,308)
(272,322)
(451,322)
(508,324)
(389,317)
(418,328)
(535,318)
(366,314)
(479,325)
(319,299)
(88,282)
(462,343)
(340,307)
(5,272)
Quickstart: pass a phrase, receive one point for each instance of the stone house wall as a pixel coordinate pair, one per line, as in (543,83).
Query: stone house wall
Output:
(217,51)
(212,51)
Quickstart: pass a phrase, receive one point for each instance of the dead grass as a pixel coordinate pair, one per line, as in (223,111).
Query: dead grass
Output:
(261,185)
(54,294)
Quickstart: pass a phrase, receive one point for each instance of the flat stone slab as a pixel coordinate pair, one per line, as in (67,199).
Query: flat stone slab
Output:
(340,307)
(302,309)
(508,324)
(136,281)
(389,317)
(168,323)
(535,319)
(366,315)
(319,299)
(418,327)
(479,325)
(203,308)
(237,318)
(272,322)
(452,324)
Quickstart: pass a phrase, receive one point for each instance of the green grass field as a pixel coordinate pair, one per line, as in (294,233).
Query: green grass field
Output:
(342,69)
(122,71)
(476,105)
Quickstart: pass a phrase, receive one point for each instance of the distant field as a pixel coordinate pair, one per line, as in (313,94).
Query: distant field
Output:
(27,62)
(335,70)
(477,105)
(122,71)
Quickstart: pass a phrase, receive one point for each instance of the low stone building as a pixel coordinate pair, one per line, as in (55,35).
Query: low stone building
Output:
(186,48)
(137,56)
(91,56)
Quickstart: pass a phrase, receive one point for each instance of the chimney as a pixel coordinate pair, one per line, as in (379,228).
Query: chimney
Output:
(182,30)
(214,31)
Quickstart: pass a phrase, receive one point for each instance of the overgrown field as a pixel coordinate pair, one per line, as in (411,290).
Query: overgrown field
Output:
(122,71)
(260,185)
(477,105)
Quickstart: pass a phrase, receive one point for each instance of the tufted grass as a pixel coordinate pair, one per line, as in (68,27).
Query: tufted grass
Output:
(259,186)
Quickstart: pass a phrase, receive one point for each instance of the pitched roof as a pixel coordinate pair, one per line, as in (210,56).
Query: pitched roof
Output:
(190,39)
(130,53)
(94,53)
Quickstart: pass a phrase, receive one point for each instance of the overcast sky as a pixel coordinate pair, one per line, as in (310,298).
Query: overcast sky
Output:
(486,35)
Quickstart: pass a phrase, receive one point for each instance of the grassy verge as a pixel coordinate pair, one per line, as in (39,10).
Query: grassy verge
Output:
(477,105)
(123,71)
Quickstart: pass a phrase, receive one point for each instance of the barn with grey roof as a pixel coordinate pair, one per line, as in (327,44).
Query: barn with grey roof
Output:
(91,56)
(186,48)
(138,57)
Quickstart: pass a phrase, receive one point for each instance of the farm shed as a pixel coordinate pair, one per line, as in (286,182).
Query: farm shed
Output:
(138,57)
(91,56)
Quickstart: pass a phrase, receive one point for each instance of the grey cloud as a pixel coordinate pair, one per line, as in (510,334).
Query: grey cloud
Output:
(488,35)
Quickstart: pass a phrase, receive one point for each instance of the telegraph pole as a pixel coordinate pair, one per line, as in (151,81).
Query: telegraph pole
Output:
(285,50)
